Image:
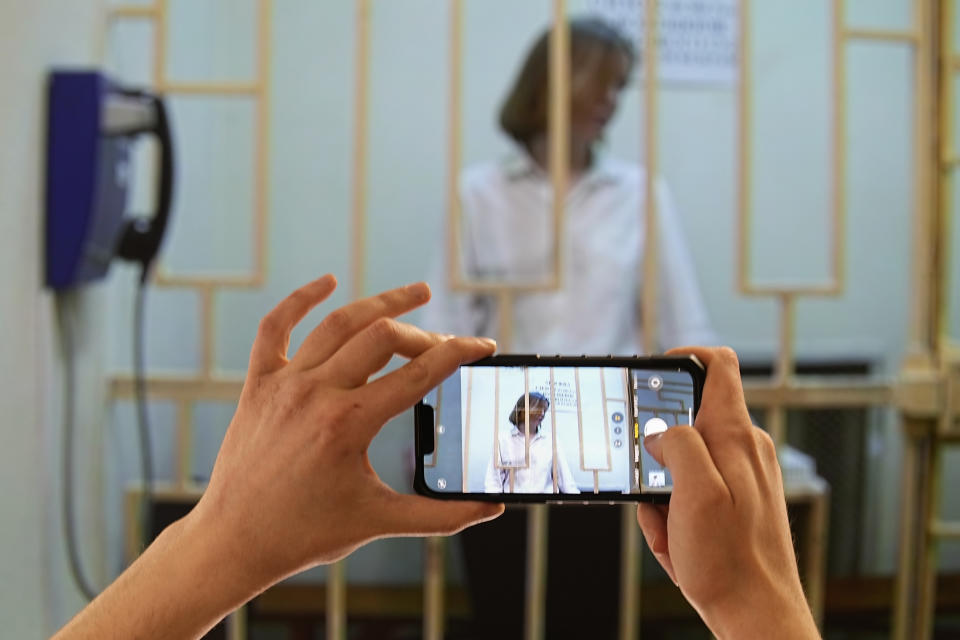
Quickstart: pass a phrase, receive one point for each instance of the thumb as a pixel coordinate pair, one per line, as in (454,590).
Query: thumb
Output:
(682,450)
(409,515)
(653,446)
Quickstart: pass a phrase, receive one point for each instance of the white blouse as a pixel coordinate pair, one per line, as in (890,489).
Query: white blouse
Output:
(507,236)
(535,477)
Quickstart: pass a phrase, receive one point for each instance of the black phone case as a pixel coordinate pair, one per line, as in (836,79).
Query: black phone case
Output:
(688,363)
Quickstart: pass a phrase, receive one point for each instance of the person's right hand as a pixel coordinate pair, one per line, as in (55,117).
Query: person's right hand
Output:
(724,539)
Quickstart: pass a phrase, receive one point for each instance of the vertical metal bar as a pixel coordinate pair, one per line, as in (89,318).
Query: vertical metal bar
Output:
(237,624)
(606,422)
(911,532)
(932,90)
(534,628)
(455,144)
(207,330)
(262,145)
(944,16)
(505,329)
(336,573)
(777,424)
(576,385)
(559,132)
(526,417)
(629,572)
(160,48)
(336,608)
(434,570)
(927,569)
(816,537)
(839,157)
(553,432)
(466,430)
(744,148)
(360,136)
(184,442)
(648,308)
(944,210)
(630,558)
(496,418)
(785,364)
(559,129)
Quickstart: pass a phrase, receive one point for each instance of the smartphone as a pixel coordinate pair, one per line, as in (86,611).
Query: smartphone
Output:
(553,429)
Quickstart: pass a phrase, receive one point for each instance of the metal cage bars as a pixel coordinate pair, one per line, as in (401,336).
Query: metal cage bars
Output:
(933,367)
(928,390)
(184,391)
(206,287)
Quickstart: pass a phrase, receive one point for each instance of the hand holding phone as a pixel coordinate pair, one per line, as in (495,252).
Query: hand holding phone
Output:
(520,428)
(725,538)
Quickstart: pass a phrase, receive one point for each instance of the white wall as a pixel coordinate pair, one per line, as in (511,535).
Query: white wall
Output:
(35,594)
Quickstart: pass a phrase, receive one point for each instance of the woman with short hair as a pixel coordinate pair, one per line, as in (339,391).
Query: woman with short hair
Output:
(507,222)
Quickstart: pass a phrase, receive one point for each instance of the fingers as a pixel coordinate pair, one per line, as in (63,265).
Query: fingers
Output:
(371,349)
(722,398)
(681,449)
(269,350)
(401,389)
(653,523)
(724,422)
(408,515)
(343,323)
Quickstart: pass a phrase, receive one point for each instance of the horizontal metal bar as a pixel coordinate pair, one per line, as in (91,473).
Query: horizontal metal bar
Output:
(889,35)
(168,492)
(819,394)
(941,529)
(479,286)
(212,88)
(166,279)
(148,12)
(828,289)
(172,387)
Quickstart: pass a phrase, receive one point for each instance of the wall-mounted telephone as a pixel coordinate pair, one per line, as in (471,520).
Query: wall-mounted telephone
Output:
(92,123)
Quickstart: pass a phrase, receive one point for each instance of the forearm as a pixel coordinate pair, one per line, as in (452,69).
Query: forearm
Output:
(180,587)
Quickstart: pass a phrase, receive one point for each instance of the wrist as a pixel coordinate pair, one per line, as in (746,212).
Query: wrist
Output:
(779,610)
(213,554)
(185,582)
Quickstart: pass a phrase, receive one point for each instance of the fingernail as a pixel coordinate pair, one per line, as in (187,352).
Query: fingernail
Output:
(418,289)
(651,440)
(488,341)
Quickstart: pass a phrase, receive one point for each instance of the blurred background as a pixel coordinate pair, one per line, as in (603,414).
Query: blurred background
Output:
(315,137)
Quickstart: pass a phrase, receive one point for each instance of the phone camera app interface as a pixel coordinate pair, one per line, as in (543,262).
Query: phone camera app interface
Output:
(661,399)
(535,430)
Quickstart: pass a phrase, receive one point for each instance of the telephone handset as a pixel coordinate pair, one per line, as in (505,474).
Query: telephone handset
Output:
(141,238)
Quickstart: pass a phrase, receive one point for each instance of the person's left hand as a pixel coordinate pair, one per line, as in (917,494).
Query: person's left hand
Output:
(292,486)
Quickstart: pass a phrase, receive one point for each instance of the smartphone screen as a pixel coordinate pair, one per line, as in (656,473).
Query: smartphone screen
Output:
(554,428)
